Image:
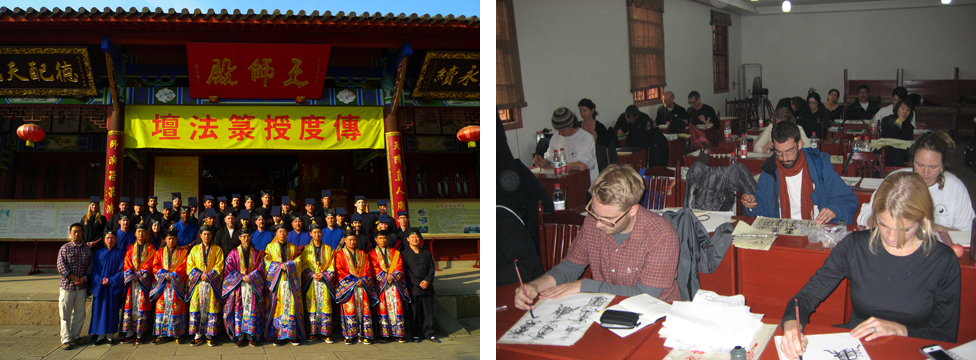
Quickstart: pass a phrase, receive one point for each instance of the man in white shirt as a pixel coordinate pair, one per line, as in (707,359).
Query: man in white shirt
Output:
(579,146)
(898,94)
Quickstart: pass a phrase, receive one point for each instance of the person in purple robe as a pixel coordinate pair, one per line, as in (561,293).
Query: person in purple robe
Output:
(242,292)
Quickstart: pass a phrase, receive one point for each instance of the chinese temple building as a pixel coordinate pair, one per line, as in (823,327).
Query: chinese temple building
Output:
(135,103)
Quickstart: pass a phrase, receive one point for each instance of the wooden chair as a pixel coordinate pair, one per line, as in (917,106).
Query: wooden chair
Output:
(865,165)
(661,184)
(556,232)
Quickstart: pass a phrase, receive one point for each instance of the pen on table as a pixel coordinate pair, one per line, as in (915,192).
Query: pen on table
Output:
(796,306)
(523,286)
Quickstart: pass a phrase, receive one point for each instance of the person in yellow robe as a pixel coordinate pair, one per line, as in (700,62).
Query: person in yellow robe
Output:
(317,285)
(286,314)
(206,273)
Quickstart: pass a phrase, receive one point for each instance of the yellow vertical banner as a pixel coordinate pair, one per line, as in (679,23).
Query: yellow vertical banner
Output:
(254,127)
(176,174)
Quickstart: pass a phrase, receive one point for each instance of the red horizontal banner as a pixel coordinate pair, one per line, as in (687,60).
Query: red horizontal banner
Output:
(257,71)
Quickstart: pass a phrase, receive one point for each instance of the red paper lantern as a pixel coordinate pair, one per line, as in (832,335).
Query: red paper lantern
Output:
(31,133)
(470,134)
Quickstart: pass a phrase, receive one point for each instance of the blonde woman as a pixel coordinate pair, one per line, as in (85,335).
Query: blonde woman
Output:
(903,280)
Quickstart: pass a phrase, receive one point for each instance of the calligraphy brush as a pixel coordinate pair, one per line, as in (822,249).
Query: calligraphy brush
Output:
(523,285)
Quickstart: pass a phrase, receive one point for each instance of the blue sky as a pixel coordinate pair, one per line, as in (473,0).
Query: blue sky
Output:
(421,7)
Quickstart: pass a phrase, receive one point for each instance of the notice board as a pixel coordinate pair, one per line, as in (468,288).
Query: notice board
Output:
(176,174)
(445,217)
(39,219)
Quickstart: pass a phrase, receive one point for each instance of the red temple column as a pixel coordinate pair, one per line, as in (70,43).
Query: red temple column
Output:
(114,149)
(395,165)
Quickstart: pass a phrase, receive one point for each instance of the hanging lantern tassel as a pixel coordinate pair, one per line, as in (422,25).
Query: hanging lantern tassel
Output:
(31,133)
(470,134)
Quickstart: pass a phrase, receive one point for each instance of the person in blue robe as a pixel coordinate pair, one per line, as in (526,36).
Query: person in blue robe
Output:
(126,235)
(186,229)
(262,235)
(106,287)
(332,232)
(298,236)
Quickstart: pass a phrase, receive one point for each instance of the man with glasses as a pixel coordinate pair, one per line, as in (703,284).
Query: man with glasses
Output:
(629,249)
(863,109)
(699,113)
(799,184)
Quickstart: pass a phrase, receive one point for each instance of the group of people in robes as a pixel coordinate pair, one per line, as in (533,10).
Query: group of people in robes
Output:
(284,290)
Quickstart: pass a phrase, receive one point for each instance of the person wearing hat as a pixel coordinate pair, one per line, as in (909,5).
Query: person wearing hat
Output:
(309,218)
(368,219)
(578,147)
(228,237)
(383,224)
(243,284)
(138,279)
(403,223)
(139,214)
(206,277)
(286,315)
(235,203)
(167,221)
(124,210)
(169,265)
(355,290)
(186,230)
(222,210)
(326,204)
(342,220)
(332,233)
(106,286)
(125,235)
(363,241)
(298,236)
(284,212)
(208,203)
(250,203)
(177,207)
(381,206)
(388,269)
(265,207)
(192,204)
(317,278)
(262,234)
(419,270)
(154,213)
(245,222)
(93,225)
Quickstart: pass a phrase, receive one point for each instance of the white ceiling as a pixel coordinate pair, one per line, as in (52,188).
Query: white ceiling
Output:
(774,7)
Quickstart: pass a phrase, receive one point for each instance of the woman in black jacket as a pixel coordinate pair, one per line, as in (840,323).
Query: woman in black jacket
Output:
(814,118)
(898,126)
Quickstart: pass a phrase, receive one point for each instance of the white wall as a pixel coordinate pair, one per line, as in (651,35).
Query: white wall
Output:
(799,51)
(574,49)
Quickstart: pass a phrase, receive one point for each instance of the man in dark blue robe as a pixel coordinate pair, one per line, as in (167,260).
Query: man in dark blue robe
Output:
(106,287)
(125,236)
(186,229)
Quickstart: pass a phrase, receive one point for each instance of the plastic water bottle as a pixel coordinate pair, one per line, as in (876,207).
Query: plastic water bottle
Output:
(727,129)
(564,161)
(743,147)
(760,122)
(815,142)
(558,199)
(857,144)
(867,144)
(556,163)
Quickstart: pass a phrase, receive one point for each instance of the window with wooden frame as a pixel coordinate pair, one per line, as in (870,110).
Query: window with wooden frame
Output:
(509,96)
(645,23)
(720,50)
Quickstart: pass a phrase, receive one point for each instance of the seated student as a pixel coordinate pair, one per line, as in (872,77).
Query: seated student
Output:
(668,111)
(900,93)
(862,109)
(616,220)
(813,190)
(930,158)
(699,113)
(834,109)
(589,123)
(898,126)
(764,144)
(634,123)
(580,146)
(814,117)
(795,104)
(904,281)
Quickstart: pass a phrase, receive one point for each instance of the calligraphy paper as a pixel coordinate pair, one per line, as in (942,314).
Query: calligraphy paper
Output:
(559,322)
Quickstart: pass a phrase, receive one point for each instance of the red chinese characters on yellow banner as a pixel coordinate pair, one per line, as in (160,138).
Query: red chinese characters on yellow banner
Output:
(254,127)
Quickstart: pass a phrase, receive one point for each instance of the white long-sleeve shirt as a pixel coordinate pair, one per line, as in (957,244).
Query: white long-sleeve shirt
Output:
(580,147)
(953,208)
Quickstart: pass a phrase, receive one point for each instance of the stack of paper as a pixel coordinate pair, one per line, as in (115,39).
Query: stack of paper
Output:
(747,237)
(650,309)
(871,183)
(710,323)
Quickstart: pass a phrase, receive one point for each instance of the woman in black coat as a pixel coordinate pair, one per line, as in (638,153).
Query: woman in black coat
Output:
(898,126)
